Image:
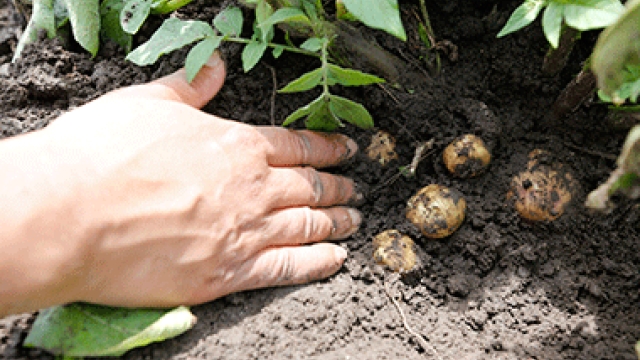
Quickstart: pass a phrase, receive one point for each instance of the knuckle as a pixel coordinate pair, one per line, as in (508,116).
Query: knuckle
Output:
(285,268)
(312,176)
(302,146)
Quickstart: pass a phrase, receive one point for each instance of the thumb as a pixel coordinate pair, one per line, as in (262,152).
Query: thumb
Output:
(198,93)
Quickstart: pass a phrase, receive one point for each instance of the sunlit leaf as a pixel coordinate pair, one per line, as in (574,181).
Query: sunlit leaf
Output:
(167,6)
(594,14)
(229,21)
(524,15)
(378,14)
(133,14)
(81,329)
(552,23)
(42,18)
(305,82)
(85,23)
(199,55)
(172,35)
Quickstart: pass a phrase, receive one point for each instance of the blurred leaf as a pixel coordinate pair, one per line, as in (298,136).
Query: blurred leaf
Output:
(351,112)
(133,14)
(252,53)
(229,21)
(350,77)
(82,329)
(284,15)
(173,34)
(312,44)
(42,18)
(305,82)
(199,55)
(552,23)
(85,22)
(592,14)
(167,6)
(277,51)
(378,14)
(111,29)
(524,15)
(616,51)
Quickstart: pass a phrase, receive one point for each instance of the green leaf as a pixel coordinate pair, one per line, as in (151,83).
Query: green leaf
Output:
(303,83)
(378,14)
(85,22)
(277,51)
(524,15)
(617,51)
(350,77)
(134,13)
(81,329)
(351,112)
(284,15)
(252,53)
(552,23)
(111,29)
(42,18)
(199,55)
(592,14)
(167,6)
(263,12)
(304,111)
(229,21)
(312,44)
(173,34)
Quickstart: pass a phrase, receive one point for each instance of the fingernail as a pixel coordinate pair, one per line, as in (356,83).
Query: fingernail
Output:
(358,197)
(356,220)
(352,147)
(215,60)
(341,253)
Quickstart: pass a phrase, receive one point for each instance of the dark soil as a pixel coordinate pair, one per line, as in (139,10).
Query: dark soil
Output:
(498,288)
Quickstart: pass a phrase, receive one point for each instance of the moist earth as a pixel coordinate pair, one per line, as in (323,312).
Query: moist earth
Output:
(498,288)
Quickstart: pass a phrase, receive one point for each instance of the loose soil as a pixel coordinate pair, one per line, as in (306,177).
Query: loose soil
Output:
(498,288)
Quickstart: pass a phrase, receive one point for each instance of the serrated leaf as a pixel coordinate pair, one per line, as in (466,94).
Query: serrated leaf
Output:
(616,50)
(351,112)
(172,34)
(85,23)
(378,14)
(252,53)
(42,18)
(592,14)
(199,55)
(312,44)
(133,14)
(110,24)
(350,77)
(82,329)
(305,82)
(229,21)
(524,15)
(552,23)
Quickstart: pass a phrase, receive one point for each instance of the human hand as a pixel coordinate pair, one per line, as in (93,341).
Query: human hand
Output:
(175,206)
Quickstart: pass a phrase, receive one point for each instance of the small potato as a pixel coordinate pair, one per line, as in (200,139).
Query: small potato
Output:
(437,211)
(466,157)
(394,250)
(382,148)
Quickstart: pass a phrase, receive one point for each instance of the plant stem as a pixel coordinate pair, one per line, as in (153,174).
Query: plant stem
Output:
(325,68)
(273,45)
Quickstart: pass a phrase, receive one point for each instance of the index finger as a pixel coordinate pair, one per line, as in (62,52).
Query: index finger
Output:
(304,147)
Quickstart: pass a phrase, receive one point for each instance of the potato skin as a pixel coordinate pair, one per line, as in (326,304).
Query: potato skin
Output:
(467,156)
(394,250)
(436,210)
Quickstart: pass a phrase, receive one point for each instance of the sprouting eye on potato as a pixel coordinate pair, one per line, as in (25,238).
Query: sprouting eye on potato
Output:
(382,148)
(467,156)
(543,191)
(394,250)
(436,210)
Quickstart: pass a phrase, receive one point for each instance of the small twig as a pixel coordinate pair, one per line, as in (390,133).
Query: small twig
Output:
(421,339)
(591,152)
(421,153)
(273,94)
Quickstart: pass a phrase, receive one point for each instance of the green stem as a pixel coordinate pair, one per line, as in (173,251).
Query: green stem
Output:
(325,68)
(273,45)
